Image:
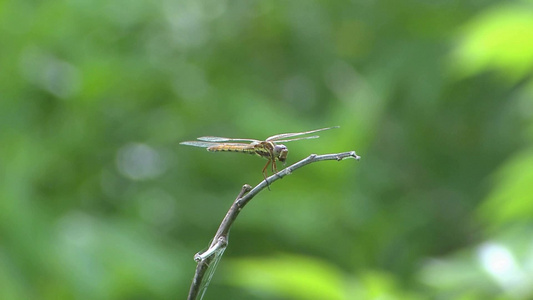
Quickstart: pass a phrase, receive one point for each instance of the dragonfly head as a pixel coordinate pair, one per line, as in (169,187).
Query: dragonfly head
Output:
(280,152)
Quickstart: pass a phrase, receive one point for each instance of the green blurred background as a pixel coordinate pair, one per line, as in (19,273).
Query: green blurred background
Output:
(99,201)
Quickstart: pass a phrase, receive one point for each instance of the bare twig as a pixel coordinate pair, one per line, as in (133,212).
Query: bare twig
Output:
(220,241)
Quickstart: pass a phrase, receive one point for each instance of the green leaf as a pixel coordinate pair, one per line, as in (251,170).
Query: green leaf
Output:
(511,198)
(293,276)
(499,39)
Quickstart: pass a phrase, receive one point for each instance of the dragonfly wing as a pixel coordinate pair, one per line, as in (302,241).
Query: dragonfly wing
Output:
(276,138)
(210,271)
(200,144)
(296,139)
(223,139)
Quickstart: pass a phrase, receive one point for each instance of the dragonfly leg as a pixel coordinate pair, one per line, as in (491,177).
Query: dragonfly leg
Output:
(274,167)
(265,172)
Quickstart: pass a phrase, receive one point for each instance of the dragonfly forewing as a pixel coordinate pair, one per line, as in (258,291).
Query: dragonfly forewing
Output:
(277,137)
(297,139)
(223,139)
(200,144)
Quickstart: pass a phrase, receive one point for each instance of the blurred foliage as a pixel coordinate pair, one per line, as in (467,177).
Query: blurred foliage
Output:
(99,201)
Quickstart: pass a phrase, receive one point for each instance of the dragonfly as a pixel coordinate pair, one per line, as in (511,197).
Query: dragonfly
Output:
(271,149)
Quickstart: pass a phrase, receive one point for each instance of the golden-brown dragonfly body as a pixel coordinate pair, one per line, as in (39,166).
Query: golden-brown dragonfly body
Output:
(269,148)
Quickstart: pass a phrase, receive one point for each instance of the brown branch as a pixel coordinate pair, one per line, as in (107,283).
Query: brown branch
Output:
(220,241)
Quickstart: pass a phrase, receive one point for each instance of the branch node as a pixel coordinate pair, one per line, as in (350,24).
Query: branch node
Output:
(351,154)
(221,243)
(354,155)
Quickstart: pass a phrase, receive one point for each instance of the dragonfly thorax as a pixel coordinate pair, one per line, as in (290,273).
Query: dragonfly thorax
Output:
(280,152)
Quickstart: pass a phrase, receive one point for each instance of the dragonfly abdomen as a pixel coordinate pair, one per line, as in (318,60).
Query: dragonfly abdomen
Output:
(231,148)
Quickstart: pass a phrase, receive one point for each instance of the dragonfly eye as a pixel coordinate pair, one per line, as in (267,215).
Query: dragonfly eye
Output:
(281,151)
